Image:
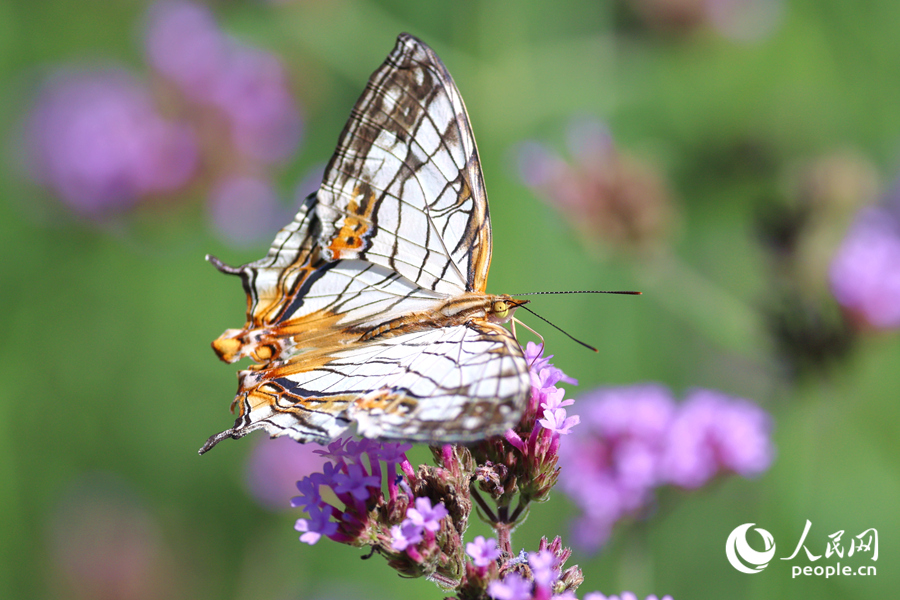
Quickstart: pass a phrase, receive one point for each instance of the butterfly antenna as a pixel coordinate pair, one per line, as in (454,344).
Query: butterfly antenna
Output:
(631,293)
(570,336)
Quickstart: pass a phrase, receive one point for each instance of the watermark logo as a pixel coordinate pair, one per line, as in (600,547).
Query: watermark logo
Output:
(749,560)
(744,558)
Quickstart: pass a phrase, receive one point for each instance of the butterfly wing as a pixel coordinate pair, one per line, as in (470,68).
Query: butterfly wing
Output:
(452,384)
(399,227)
(404,188)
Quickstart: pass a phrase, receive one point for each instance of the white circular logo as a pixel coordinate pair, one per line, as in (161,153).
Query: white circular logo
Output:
(740,554)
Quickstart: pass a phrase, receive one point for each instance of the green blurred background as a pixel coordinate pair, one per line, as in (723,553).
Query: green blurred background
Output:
(109,386)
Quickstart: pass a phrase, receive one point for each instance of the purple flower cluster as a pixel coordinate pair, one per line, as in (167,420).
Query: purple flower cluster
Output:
(532,469)
(353,482)
(538,575)
(421,521)
(865,271)
(637,438)
(98,138)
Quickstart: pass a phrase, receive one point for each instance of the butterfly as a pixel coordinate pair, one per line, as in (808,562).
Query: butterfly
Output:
(370,307)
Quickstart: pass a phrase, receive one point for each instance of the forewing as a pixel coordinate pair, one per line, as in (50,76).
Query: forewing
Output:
(452,384)
(404,188)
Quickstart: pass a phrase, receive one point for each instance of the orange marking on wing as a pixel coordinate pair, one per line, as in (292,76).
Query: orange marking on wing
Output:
(356,225)
(272,302)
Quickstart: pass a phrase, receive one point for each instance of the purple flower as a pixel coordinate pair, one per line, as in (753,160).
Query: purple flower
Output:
(512,587)
(483,551)
(405,535)
(714,432)
(96,139)
(355,482)
(634,439)
(309,492)
(543,374)
(554,400)
(557,421)
(390,452)
(425,516)
(316,526)
(335,450)
(865,272)
(544,567)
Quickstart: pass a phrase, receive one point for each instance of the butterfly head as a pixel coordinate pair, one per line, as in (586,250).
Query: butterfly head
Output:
(503,307)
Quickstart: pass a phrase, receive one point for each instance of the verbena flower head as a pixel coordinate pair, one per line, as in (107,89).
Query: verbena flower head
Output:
(419,524)
(865,271)
(246,85)
(524,460)
(96,139)
(713,433)
(636,438)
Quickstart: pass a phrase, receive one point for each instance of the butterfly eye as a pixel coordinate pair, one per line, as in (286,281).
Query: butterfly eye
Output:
(500,309)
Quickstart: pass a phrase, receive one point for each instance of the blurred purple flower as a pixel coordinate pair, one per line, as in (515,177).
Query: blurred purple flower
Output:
(253,92)
(183,42)
(405,535)
(274,467)
(634,439)
(622,596)
(544,567)
(96,139)
(713,432)
(603,193)
(248,85)
(245,210)
(865,271)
